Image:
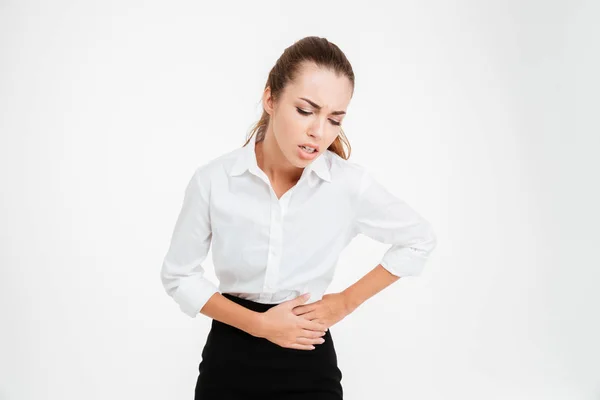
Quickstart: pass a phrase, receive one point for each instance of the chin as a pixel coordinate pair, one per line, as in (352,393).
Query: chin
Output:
(301,163)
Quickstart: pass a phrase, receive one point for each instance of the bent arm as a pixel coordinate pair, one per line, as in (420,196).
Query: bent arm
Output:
(386,218)
(182,273)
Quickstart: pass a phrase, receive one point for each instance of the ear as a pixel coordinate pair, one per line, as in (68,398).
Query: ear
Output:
(267,101)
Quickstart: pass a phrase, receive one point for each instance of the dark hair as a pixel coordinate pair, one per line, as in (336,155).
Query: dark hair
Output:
(309,49)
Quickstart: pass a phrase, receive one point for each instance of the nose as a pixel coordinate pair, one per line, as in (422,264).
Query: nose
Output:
(316,129)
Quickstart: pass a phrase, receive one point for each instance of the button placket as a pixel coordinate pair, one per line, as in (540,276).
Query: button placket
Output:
(273,258)
(278,211)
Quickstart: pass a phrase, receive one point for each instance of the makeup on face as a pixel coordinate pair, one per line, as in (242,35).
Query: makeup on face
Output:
(318,107)
(306,154)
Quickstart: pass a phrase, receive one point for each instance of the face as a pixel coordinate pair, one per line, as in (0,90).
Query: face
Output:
(310,111)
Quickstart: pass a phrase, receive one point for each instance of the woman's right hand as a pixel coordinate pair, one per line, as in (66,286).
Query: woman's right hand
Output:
(281,326)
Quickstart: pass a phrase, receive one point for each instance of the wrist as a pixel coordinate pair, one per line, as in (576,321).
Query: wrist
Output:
(349,302)
(256,324)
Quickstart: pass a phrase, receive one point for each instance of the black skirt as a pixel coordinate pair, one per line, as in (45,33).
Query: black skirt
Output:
(237,365)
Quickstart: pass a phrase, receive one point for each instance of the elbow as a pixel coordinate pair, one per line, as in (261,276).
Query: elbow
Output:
(169,281)
(409,260)
(430,241)
(427,241)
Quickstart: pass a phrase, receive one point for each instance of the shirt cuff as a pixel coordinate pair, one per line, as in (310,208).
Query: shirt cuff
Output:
(401,260)
(193,293)
(398,263)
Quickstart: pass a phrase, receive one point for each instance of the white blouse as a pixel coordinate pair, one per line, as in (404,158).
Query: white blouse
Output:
(271,250)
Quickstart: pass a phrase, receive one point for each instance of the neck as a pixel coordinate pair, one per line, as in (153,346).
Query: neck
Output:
(273,163)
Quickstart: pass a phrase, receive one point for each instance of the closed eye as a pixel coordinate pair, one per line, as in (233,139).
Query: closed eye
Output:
(302,112)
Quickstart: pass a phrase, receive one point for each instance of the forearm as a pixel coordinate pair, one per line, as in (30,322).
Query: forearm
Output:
(224,310)
(372,283)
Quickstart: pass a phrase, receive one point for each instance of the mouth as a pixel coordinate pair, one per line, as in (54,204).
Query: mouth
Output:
(308,149)
(306,154)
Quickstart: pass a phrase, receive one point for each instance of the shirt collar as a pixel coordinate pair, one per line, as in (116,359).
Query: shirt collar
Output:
(247,161)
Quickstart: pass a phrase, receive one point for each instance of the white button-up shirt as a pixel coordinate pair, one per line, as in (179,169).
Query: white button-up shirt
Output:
(271,250)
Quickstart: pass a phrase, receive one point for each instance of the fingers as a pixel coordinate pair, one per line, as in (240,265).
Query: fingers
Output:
(304,340)
(310,315)
(306,312)
(300,299)
(302,347)
(303,309)
(312,334)
(312,325)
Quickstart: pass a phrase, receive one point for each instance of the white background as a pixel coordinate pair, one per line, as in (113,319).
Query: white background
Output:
(482,115)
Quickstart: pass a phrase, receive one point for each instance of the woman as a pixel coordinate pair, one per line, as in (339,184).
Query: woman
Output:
(278,211)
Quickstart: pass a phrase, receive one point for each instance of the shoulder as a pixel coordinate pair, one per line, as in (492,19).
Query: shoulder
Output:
(352,174)
(210,170)
(216,165)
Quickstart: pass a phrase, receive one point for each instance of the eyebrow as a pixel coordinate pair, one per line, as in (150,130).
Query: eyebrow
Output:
(318,107)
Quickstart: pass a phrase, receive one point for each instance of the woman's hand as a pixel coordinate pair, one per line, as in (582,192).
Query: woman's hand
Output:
(279,325)
(331,309)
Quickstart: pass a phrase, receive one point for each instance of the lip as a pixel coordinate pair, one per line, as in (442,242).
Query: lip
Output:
(314,146)
(306,156)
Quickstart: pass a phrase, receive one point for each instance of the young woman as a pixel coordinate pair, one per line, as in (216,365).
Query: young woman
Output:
(278,211)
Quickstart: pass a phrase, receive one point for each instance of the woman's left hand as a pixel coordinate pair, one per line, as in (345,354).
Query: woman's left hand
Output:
(331,309)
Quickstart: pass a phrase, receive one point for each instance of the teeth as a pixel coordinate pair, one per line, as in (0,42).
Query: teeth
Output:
(309,149)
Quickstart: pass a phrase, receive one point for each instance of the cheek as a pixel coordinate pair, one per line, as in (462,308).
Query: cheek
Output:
(296,121)
(287,127)
(332,133)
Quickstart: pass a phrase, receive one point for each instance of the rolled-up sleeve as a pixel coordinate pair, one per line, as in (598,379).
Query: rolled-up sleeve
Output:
(182,273)
(384,217)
